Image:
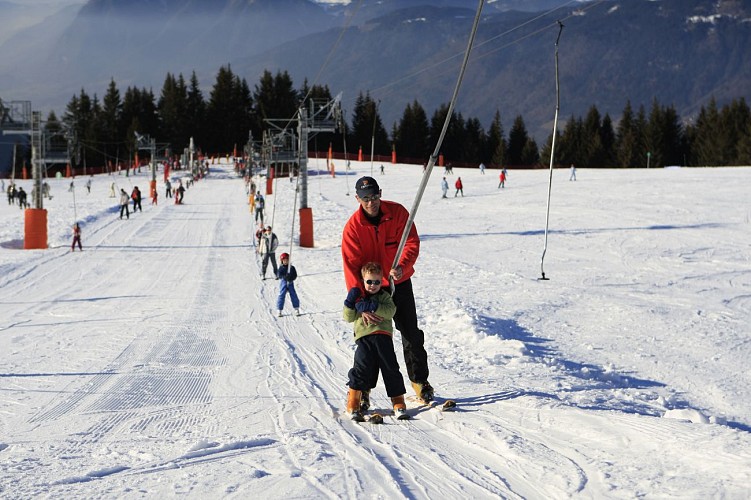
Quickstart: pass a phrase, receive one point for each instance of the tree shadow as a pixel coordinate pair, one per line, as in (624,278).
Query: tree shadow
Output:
(588,376)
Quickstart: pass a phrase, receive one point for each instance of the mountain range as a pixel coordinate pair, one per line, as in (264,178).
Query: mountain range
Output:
(678,52)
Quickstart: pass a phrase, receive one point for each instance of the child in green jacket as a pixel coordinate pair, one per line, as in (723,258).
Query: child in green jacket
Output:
(372,313)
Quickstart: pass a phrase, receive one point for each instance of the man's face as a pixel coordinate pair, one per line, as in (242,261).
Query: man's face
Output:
(371,203)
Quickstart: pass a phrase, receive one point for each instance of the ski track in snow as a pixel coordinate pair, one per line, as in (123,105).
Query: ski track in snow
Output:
(160,366)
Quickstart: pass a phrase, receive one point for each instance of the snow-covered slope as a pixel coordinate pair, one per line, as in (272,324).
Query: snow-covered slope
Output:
(152,363)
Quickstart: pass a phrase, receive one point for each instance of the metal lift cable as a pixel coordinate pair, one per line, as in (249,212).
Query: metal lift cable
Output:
(552,149)
(434,156)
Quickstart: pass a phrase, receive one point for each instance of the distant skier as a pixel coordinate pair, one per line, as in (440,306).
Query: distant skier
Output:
(124,200)
(502,178)
(76,238)
(287,275)
(259,206)
(267,250)
(444,187)
(136,196)
(459,187)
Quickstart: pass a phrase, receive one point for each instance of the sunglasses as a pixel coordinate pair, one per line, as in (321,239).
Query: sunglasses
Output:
(372,282)
(372,197)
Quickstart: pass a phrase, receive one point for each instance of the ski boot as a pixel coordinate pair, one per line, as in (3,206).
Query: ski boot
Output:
(353,405)
(365,401)
(423,390)
(400,408)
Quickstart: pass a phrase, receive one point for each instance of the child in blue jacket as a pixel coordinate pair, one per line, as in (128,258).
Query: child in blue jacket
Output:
(287,275)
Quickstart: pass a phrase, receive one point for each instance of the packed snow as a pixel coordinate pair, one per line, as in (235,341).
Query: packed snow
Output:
(152,363)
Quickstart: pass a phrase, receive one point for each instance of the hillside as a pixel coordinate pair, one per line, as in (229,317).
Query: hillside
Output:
(680,52)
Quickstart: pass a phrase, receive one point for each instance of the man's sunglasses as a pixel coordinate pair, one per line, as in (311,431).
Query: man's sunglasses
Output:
(372,197)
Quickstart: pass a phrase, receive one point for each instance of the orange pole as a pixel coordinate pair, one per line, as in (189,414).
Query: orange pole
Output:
(440,160)
(393,156)
(359,154)
(24,173)
(35,229)
(306,227)
(68,171)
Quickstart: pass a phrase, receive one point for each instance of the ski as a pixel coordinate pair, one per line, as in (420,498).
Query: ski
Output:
(437,403)
(360,417)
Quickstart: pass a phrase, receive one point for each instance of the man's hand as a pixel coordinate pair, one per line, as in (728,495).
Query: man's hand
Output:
(371,318)
(396,273)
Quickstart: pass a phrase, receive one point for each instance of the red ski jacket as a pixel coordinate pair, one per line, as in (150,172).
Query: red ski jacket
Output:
(363,242)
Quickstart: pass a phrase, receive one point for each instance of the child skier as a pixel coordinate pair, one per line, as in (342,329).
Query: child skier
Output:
(76,238)
(287,275)
(375,346)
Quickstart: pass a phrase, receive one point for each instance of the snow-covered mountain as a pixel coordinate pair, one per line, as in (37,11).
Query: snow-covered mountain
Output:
(679,52)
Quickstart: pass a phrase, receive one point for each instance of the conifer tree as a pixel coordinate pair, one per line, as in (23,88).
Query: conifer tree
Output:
(495,142)
(518,140)
(411,134)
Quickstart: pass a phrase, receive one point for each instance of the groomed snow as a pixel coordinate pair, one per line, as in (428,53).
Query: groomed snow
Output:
(152,364)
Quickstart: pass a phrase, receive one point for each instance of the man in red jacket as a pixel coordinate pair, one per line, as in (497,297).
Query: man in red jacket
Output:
(372,234)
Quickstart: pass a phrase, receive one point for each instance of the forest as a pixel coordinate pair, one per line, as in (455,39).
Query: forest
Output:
(103,131)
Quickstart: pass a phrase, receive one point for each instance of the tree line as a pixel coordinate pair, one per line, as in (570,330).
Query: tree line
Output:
(105,131)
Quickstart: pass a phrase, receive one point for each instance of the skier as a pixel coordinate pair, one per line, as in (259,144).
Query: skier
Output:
(372,233)
(167,189)
(572,177)
(88,185)
(124,204)
(76,238)
(267,249)
(482,168)
(287,275)
(375,345)
(459,187)
(502,177)
(21,195)
(259,235)
(259,206)
(444,187)
(136,196)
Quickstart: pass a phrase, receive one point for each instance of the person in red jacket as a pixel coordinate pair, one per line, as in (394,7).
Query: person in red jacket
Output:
(459,187)
(372,234)
(76,237)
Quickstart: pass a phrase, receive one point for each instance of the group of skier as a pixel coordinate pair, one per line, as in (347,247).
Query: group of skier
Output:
(370,241)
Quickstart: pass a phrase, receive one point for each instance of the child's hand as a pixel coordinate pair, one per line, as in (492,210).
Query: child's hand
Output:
(352,296)
(366,305)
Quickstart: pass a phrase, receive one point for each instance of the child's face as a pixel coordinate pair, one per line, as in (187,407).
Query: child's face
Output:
(372,282)
(285,261)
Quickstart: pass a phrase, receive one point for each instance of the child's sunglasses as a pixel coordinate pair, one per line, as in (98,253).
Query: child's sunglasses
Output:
(372,282)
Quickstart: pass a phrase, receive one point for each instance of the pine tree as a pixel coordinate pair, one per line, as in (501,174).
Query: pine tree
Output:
(367,127)
(411,137)
(495,142)
(517,142)
(627,139)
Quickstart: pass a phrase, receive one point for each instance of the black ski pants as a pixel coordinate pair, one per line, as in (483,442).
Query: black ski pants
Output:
(413,339)
(374,352)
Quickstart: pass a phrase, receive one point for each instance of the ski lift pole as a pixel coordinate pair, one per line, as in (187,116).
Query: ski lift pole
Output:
(294,214)
(75,209)
(434,156)
(552,151)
